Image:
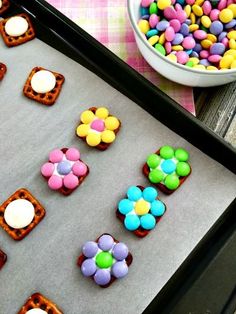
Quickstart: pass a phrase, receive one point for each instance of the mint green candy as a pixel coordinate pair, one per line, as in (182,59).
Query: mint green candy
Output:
(181,154)
(189,64)
(167,152)
(153,9)
(172,182)
(153,161)
(161,49)
(182,169)
(104,260)
(156,176)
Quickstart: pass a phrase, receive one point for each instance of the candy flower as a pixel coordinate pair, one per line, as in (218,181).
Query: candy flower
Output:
(141,210)
(167,168)
(64,171)
(105,260)
(98,127)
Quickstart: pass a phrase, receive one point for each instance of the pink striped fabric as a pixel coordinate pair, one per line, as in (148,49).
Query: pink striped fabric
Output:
(107,21)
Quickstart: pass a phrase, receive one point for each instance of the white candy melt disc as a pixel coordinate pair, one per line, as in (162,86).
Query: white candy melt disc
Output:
(16,26)
(43,81)
(19,213)
(36,311)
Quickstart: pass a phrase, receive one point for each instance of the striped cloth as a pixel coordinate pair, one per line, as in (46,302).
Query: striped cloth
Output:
(107,21)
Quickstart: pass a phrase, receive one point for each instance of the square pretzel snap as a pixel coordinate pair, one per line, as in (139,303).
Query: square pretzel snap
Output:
(20,214)
(38,301)
(3,70)
(17,30)
(43,86)
(4,5)
(3,259)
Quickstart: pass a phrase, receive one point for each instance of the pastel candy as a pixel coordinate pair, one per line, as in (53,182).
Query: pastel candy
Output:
(175,24)
(71,181)
(217,49)
(182,57)
(169,33)
(170,13)
(79,168)
(56,155)
(188,42)
(55,182)
(72,154)
(47,169)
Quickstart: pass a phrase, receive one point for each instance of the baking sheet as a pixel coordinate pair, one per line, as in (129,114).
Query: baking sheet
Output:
(45,261)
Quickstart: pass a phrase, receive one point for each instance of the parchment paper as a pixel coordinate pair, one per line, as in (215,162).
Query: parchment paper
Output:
(45,261)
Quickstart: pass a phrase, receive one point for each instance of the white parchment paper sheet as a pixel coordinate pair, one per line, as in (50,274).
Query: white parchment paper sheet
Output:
(45,261)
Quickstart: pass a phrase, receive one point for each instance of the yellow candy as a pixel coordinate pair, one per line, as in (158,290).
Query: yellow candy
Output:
(102,113)
(193,18)
(206,43)
(233,65)
(87,116)
(141,207)
(231,52)
(194,60)
(232,7)
(153,40)
(93,139)
(143,26)
(199,66)
(193,27)
(112,123)
(212,38)
(187,10)
(226,15)
(82,130)
(197,10)
(232,44)
(199,2)
(226,62)
(163,4)
(232,35)
(177,48)
(211,68)
(162,39)
(108,136)
(206,21)
(172,57)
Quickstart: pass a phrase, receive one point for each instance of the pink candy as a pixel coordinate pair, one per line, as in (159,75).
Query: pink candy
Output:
(79,168)
(55,182)
(191,2)
(188,43)
(98,125)
(169,33)
(181,16)
(225,42)
(146,3)
(182,57)
(214,15)
(222,5)
(170,13)
(56,155)
(214,58)
(204,54)
(47,169)
(175,24)
(206,7)
(72,154)
(153,20)
(71,181)
(200,34)
(168,47)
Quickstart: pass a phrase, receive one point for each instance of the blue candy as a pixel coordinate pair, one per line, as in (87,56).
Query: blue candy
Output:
(157,208)
(125,206)
(150,194)
(162,25)
(184,30)
(64,167)
(178,39)
(134,193)
(148,222)
(131,222)
(216,27)
(151,33)
(144,11)
(168,166)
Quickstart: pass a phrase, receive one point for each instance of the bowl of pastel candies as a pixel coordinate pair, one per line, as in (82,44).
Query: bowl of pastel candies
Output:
(191,42)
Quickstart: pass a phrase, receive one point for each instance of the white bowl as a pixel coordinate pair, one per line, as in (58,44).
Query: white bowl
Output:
(171,70)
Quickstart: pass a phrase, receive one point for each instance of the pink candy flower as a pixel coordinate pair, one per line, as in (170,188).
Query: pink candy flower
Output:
(64,171)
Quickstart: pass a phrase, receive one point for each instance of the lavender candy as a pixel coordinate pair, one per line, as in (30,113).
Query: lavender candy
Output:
(184,29)
(194,54)
(102,277)
(188,22)
(145,17)
(216,27)
(105,242)
(197,48)
(217,49)
(222,36)
(178,39)
(204,62)
(162,25)
(90,249)
(231,24)
(120,251)
(120,269)
(88,267)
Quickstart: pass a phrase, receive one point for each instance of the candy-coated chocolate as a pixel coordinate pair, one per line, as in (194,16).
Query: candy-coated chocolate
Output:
(132,222)
(125,206)
(105,242)
(181,154)
(102,277)
(71,181)
(72,154)
(88,267)
(104,260)
(90,249)
(79,168)
(47,169)
(141,207)
(148,221)
(120,269)
(120,251)
(55,182)
(166,152)
(156,176)
(157,208)
(93,139)
(64,167)
(172,181)
(87,116)
(56,155)
(150,194)
(97,125)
